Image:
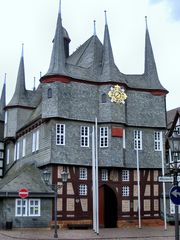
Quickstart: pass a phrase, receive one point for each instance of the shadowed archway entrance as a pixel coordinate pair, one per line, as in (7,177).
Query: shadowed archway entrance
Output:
(107,207)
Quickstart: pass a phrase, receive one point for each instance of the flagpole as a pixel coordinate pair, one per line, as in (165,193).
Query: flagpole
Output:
(93,181)
(138,183)
(164,189)
(97,185)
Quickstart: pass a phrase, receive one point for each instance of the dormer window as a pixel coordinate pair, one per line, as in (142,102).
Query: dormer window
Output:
(49,93)
(103,98)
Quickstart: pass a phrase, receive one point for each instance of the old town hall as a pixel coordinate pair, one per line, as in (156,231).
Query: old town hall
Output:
(50,128)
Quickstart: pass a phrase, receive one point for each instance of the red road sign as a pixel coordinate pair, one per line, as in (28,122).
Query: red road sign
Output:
(23,193)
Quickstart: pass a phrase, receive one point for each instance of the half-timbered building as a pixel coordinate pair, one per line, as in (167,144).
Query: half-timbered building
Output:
(51,127)
(172,158)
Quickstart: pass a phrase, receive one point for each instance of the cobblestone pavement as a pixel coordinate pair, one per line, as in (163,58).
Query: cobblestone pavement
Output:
(146,233)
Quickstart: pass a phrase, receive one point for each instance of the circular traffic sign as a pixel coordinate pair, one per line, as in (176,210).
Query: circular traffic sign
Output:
(23,193)
(175,195)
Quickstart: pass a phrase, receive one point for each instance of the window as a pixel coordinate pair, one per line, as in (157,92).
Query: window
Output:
(82,173)
(34,207)
(1,155)
(60,134)
(15,152)
(84,136)
(104,137)
(35,141)
(5,117)
(7,156)
(104,98)
(17,149)
(23,147)
(137,140)
(21,207)
(125,175)
(104,175)
(125,191)
(157,141)
(49,93)
(178,130)
(27,207)
(83,189)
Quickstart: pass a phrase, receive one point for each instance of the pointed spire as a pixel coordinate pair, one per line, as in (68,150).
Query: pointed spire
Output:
(59,7)
(108,58)
(146,22)
(150,70)
(94,27)
(22,52)
(109,72)
(20,84)
(5,75)
(3,100)
(57,63)
(19,97)
(105,14)
(34,87)
(150,65)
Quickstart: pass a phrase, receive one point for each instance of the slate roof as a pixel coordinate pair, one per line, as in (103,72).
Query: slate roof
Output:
(94,61)
(21,96)
(171,115)
(28,176)
(3,102)
(57,63)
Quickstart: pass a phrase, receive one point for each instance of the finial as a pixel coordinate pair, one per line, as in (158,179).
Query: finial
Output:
(146,22)
(34,87)
(40,74)
(105,13)
(5,78)
(59,6)
(22,50)
(94,27)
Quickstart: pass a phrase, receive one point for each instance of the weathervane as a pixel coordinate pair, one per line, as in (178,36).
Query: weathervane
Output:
(117,94)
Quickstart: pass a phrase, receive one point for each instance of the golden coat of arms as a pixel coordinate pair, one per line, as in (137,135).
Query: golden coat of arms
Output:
(117,94)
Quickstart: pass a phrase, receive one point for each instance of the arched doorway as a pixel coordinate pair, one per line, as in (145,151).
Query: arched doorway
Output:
(107,207)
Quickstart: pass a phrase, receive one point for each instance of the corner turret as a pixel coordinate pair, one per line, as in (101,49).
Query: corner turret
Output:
(21,104)
(20,95)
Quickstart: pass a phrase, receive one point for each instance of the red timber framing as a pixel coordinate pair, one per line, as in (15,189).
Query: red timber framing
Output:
(76,208)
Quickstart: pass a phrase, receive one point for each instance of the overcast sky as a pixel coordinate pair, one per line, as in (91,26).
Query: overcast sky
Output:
(33,22)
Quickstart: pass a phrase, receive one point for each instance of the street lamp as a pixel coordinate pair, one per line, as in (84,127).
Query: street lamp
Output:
(174,170)
(55,187)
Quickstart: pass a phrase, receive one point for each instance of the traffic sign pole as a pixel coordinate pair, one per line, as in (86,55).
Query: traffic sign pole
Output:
(23,193)
(175,198)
